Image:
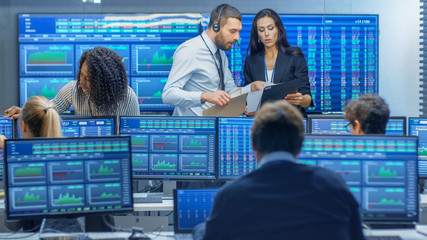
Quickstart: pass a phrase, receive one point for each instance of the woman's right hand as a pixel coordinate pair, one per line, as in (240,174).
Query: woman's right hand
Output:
(2,138)
(12,112)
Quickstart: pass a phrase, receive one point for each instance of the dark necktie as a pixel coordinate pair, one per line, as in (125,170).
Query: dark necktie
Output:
(221,71)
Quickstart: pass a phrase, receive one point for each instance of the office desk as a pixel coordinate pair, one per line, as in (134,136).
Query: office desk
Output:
(166,205)
(109,235)
(406,234)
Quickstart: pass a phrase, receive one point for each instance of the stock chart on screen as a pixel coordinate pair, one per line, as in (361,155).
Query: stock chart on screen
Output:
(50,47)
(341,53)
(68,176)
(171,147)
(381,171)
(6,129)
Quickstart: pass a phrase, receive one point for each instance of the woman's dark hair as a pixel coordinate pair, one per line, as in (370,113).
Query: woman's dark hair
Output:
(107,79)
(255,45)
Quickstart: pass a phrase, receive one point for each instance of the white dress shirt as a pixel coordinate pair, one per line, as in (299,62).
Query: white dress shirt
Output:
(194,71)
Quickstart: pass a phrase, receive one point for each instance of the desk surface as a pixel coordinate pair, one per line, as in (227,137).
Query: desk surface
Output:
(166,205)
(406,234)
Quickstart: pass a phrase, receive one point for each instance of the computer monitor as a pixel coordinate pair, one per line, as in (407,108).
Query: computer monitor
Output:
(191,207)
(50,47)
(328,124)
(336,124)
(172,147)
(6,129)
(396,126)
(235,154)
(418,127)
(58,177)
(88,126)
(381,172)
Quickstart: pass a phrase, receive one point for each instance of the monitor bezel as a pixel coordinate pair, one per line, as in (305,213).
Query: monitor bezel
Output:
(68,215)
(176,177)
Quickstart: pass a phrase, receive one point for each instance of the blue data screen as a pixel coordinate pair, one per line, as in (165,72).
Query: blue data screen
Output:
(418,127)
(172,147)
(235,154)
(50,47)
(341,53)
(6,130)
(194,206)
(68,176)
(87,127)
(330,126)
(380,171)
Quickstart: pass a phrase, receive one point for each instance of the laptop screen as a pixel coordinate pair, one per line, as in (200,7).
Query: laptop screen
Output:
(191,207)
(381,171)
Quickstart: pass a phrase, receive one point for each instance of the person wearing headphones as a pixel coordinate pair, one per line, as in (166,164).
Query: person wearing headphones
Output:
(200,77)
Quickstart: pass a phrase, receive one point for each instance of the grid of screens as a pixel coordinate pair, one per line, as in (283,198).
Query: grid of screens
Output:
(418,127)
(82,127)
(341,51)
(67,176)
(50,46)
(380,171)
(6,129)
(396,126)
(191,207)
(172,147)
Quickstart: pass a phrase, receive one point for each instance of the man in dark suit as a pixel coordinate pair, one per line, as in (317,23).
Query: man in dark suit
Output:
(283,199)
(367,114)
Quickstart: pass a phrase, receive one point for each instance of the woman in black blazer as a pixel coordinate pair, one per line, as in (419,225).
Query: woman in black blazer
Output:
(272,59)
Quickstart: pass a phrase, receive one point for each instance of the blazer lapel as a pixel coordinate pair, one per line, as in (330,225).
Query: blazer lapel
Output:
(260,67)
(282,63)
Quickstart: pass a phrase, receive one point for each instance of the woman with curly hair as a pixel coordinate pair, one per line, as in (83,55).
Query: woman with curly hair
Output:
(101,88)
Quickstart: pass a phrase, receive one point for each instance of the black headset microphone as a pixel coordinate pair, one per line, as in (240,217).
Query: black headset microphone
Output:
(216,26)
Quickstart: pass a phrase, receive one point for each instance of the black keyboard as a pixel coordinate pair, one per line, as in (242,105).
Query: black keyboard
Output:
(383,238)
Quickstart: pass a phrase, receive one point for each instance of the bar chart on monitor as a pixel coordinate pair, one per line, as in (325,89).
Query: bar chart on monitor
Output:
(46,60)
(153,59)
(47,87)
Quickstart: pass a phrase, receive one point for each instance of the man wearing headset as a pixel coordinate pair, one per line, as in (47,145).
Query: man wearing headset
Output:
(200,76)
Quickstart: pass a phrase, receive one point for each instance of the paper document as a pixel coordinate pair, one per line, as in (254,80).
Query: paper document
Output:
(234,108)
(253,101)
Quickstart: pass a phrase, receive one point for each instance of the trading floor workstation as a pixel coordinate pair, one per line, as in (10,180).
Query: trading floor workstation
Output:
(134,168)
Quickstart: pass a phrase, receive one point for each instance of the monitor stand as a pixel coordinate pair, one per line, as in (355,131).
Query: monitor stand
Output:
(168,187)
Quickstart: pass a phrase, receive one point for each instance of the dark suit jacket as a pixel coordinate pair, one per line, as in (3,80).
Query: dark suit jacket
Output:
(290,65)
(288,201)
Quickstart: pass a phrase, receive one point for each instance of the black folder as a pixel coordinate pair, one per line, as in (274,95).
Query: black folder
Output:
(279,91)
